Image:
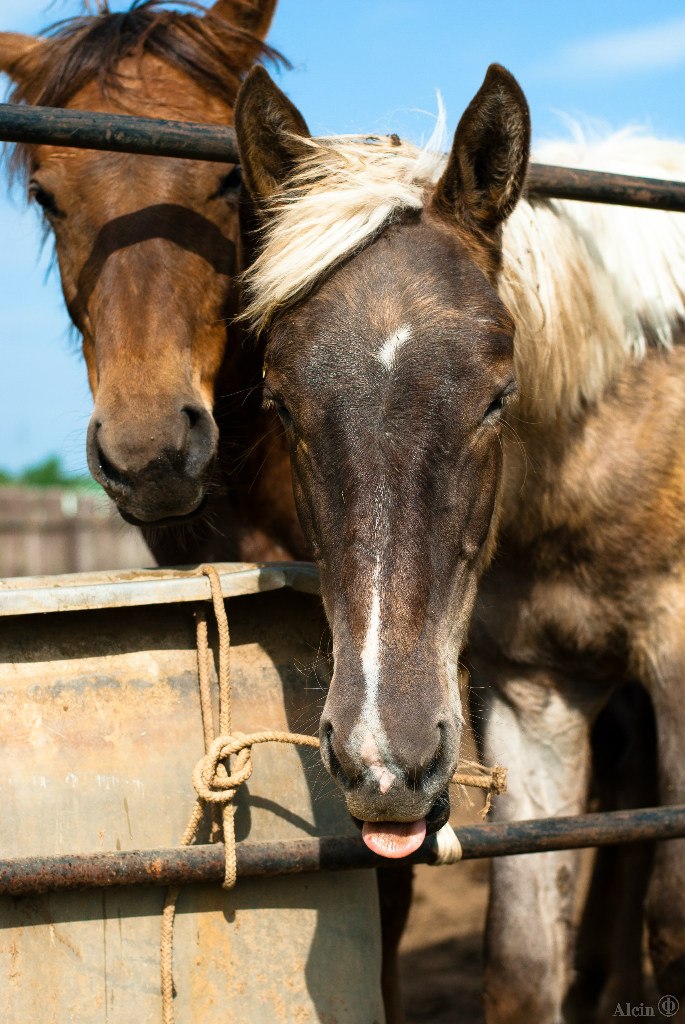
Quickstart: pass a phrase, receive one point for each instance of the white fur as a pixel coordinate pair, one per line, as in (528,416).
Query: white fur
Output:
(391,346)
(342,194)
(371,652)
(590,286)
(543,739)
(368,735)
(371,756)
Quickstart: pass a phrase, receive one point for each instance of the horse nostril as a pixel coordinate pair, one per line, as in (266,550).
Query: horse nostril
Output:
(194,414)
(111,476)
(198,448)
(330,758)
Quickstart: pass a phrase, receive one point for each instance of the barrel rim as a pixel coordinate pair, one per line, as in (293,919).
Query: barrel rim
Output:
(30,595)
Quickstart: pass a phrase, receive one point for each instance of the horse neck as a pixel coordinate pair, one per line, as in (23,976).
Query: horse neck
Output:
(595,293)
(532,483)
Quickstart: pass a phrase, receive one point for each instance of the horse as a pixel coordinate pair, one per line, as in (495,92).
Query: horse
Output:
(149,251)
(483,399)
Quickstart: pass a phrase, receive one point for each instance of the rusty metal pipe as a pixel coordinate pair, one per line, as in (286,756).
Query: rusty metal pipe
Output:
(547,181)
(124,134)
(118,133)
(185,865)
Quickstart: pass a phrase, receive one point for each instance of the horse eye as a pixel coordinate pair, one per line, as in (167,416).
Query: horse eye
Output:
(45,199)
(284,414)
(231,182)
(271,401)
(495,408)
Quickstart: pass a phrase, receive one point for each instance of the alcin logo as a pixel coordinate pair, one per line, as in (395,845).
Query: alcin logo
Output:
(667,1006)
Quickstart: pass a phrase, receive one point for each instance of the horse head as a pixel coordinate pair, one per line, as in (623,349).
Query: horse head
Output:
(389,358)
(147,247)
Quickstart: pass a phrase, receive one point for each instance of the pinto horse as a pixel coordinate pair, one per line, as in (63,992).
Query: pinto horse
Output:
(148,252)
(483,397)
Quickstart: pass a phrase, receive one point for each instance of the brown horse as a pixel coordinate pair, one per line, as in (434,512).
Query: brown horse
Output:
(458,377)
(148,252)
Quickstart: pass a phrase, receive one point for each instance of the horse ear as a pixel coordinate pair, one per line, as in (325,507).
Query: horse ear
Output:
(252,15)
(270,133)
(487,165)
(20,55)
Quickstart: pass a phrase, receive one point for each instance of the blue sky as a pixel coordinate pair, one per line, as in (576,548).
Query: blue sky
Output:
(358,65)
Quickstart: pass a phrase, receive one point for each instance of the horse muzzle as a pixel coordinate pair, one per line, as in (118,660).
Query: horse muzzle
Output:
(161,477)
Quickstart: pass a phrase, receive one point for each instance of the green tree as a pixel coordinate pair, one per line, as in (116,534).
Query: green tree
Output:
(48,472)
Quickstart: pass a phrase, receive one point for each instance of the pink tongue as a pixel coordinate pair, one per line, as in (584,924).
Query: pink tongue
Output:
(394,838)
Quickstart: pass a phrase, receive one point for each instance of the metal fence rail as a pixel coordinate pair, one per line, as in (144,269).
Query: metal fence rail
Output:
(144,135)
(119,133)
(176,866)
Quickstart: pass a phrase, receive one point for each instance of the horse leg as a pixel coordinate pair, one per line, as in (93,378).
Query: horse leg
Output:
(609,946)
(394,893)
(664,661)
(542,736)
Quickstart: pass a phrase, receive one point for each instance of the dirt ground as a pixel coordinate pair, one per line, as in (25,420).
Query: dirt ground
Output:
(442,961)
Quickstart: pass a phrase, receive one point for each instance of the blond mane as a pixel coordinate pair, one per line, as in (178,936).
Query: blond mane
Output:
(345,190)
(591,287)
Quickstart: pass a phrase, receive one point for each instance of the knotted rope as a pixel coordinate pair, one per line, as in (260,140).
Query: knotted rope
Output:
(215,784)
(216,780)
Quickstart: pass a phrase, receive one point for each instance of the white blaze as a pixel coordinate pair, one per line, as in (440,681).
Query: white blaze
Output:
(371,756)
(391,346)
(369,732)
(371,663)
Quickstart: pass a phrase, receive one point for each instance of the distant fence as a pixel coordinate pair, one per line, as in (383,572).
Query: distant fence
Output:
(49,530)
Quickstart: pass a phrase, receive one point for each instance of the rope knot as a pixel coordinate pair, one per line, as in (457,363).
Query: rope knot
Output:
(211,779)
(498,775)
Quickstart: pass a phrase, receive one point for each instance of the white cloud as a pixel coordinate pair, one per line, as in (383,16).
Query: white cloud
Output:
(650,48)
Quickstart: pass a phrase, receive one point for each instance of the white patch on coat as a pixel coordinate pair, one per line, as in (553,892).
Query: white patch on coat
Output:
(371,667)
(544,741)
(392,345)
(368,736)
(371,756)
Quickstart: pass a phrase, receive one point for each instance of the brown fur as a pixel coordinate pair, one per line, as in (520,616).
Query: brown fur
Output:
(586,587)
(148,253)
(449,383)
